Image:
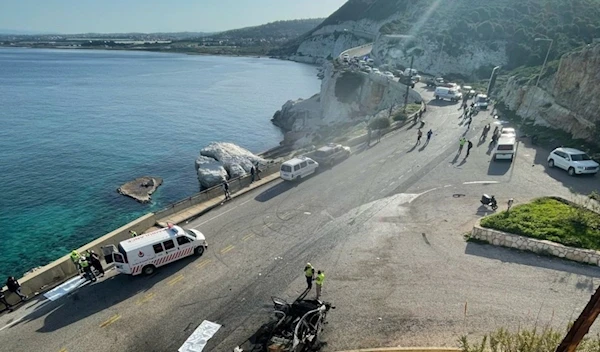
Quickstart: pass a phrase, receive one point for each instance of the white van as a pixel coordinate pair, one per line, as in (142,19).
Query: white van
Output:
(298,168)
(505,149)
(450,93)
(145,253)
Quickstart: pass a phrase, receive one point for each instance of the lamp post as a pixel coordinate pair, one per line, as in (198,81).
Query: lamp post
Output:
(539,76)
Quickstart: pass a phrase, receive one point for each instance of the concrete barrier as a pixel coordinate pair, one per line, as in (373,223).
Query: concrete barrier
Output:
(407,349)
(63,269)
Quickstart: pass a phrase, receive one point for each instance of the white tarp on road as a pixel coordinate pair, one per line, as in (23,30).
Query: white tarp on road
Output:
(197,341)
(65,288)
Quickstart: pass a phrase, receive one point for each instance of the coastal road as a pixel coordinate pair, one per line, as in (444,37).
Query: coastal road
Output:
(386,225)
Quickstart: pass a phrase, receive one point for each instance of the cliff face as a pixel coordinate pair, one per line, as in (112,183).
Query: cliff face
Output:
(346,98)
(568,100)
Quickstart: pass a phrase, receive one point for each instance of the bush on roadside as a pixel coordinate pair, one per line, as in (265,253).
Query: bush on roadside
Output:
(550,219)
(400,116)
(524,340)
(379,123)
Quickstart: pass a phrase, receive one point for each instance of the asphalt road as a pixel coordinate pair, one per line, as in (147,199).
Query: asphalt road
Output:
(386,225)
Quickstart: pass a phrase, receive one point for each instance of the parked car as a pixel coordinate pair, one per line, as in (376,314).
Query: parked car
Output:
(574,161)
(433,82)
(389,75)
(331,154)
(376,70)
(468,92)
(481,101)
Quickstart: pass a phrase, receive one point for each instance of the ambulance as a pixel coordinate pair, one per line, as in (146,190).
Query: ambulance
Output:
(144,253)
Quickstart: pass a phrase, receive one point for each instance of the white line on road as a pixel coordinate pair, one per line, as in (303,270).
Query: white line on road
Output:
(479,182)
(326,213)
(214,217)
(245,202)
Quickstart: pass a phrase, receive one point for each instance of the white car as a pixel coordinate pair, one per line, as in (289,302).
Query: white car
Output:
(507,132)
(376,70)
(389,75)
(574,161)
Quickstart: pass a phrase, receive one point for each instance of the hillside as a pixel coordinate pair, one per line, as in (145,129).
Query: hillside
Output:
(279,30)
(459,36)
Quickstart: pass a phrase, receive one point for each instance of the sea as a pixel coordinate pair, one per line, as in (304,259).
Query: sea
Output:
(76,124)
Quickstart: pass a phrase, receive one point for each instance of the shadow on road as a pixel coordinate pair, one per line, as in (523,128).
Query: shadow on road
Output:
(424,146)
(442,103)
(509,255)
(93,298)
(499,167)
(276,190)
(412,149)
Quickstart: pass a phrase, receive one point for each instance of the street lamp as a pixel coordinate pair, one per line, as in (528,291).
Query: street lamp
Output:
(539,76)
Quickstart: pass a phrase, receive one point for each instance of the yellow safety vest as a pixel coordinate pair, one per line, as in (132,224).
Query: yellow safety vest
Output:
(74,256)
(84,263)
(320,279)
(309,272)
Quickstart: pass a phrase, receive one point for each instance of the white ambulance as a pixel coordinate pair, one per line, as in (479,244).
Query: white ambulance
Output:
(145,253)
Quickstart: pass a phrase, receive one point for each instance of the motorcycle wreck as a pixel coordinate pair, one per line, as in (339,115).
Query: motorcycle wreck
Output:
(295,327)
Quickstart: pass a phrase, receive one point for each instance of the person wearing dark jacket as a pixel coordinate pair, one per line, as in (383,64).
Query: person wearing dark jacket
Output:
(15,287)
(3,301)
(95,261)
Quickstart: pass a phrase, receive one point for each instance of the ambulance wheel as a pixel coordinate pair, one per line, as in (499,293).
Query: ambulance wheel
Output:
(199,250)
(148,269)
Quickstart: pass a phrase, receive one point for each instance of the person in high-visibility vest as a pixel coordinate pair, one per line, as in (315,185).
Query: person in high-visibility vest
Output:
(75,259)
(319,281)
(309,272)
(87,269)
(133,233)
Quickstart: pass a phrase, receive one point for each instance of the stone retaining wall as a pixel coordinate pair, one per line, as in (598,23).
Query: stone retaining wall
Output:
(504,239)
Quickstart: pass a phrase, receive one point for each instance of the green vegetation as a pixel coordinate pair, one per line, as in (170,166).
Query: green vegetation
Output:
(550,219)
(543,340)
(400,116)
(379,123)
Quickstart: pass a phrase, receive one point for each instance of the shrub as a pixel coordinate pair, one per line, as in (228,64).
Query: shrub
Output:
(400,116)
(379,123)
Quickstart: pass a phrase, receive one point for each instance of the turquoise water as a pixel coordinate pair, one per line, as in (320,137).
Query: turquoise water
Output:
(74,125)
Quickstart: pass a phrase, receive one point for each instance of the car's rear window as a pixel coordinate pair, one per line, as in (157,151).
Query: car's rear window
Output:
(286,168)
(505,147)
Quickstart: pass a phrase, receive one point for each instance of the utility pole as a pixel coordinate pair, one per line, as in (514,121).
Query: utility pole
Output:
(412,58)
(582,325)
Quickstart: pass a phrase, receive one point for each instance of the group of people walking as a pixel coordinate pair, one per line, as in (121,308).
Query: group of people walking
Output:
(319,278)
(254,176)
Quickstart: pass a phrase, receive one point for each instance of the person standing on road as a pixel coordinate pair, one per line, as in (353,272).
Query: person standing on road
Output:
(461,143)
(319,281)
(309,273)
(225,186)
(95,261)
(257,170)
(429,134)
(469,122)
(15,287)
(469,146)
(252,173)
(87,269)
(75,259)
(378,135)
(3,301)
(419,135)
(369,136)
(133,233)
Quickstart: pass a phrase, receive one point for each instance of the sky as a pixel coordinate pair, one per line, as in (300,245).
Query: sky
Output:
(112,16)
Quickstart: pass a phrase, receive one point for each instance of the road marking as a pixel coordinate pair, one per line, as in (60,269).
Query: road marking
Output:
(214,217)
(245,202)
(247,237)
(266,226)
(203,263)
(145,299)
(110,320)
(175,280)
(227,249)
(479,182)
(63,350)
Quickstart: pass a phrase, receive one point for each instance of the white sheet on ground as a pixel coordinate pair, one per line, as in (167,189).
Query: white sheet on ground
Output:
(198,339)
(64,288)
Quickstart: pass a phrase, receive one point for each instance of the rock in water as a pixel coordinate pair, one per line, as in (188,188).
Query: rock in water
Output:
(221,161)
(141,188)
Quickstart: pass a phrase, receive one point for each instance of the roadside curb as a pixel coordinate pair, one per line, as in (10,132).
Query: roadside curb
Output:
(216,202)
(407,349)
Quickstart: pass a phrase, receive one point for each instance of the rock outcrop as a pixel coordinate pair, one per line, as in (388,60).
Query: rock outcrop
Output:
(221,161)
(569,99)
(346,98)
(141,188)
